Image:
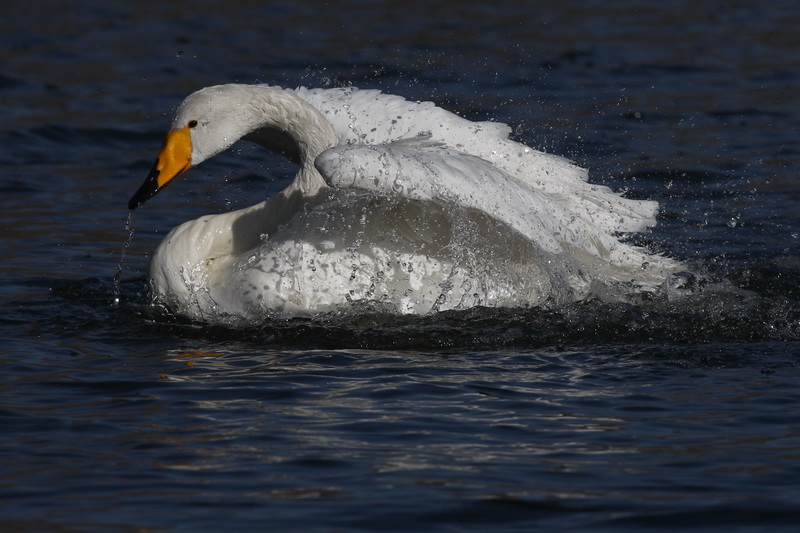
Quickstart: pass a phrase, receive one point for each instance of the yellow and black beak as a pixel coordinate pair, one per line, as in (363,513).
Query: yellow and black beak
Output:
(174,159)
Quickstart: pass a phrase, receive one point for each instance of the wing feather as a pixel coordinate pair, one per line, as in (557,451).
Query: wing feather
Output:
(369,117)
(436,173)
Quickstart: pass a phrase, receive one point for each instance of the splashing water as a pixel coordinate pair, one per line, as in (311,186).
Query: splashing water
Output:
(125,246)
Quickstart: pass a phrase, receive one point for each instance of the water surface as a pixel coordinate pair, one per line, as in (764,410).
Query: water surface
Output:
(665,413)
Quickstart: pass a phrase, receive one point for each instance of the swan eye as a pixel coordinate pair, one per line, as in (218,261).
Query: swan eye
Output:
(192,123)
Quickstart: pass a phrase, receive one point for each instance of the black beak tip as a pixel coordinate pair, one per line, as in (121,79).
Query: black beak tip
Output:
(145,192)
(148,189)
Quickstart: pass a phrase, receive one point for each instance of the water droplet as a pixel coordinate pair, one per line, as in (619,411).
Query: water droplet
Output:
(118,274)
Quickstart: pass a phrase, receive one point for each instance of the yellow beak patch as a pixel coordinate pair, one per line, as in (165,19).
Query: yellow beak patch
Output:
(175,156)
(174,159)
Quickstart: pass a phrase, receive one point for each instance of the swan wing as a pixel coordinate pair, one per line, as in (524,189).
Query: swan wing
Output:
(422,169)
(374,118)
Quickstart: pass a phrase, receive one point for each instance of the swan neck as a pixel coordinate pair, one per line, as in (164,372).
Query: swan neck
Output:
(309,130)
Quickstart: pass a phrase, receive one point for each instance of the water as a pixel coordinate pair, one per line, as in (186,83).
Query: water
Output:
(680,414)
(121,265)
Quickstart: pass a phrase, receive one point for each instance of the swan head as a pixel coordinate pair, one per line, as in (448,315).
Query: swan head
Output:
(212,119)
(206,123)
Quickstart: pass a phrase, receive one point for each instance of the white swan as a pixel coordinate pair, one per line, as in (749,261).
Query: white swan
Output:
(396,203)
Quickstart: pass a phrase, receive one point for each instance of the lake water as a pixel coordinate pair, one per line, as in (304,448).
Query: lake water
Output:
(661,415)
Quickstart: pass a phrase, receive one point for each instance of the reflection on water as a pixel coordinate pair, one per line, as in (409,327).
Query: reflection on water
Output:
(592,435)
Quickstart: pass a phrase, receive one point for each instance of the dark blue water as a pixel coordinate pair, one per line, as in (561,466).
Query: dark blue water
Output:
(659,415)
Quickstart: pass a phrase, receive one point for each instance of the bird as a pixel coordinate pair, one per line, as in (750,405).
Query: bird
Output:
(397,206)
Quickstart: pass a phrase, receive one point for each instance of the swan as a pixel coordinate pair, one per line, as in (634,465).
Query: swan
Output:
(396,205)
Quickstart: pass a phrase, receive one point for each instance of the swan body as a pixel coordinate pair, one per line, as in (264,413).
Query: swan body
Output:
(396,204)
